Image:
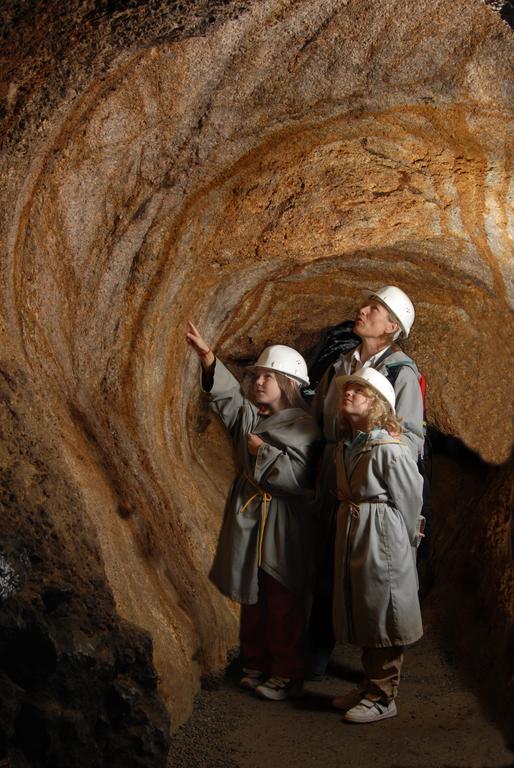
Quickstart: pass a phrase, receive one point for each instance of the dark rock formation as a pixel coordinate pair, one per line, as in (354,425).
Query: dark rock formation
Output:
(473,557)
(78,687)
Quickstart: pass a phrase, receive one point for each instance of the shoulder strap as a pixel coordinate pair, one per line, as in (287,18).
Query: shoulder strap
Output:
(388,351)
(393,369)
(392,441)
(372,443)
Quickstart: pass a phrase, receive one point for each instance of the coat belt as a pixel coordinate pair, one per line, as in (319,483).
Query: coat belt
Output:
(354,506)
(265,499)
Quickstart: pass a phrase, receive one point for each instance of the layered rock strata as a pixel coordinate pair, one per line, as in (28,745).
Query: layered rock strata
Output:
(253,168)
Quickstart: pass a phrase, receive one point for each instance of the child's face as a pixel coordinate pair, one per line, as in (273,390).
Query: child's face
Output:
(266,389)
(373,321)
(355,403)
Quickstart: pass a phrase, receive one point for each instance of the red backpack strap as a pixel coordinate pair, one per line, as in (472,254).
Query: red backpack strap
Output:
(423,386)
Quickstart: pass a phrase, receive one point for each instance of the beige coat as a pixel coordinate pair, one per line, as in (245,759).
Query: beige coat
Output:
(375,586)
(269,512)
(325,409)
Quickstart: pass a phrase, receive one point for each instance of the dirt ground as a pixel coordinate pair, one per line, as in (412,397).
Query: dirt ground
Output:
(440,722)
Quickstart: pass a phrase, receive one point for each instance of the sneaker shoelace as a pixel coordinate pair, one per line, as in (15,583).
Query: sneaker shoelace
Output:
(278,682)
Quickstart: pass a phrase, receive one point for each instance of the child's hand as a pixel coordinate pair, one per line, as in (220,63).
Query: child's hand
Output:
(195,340)
(200,346)
(254,443)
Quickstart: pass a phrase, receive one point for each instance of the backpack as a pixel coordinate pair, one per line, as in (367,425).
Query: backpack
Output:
(335,341)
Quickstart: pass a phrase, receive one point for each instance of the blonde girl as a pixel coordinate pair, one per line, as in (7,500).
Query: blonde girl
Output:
(379,489)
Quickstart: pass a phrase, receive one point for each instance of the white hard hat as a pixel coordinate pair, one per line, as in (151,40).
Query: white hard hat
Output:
(398,304)
(286,360)
(372,378)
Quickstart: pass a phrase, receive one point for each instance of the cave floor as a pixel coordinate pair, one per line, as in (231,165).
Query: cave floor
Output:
(440,722)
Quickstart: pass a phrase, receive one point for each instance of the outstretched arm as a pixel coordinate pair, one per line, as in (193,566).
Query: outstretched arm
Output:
(223,389)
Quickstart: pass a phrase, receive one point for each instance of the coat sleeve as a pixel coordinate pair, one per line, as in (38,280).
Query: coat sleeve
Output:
(288,471)
(409,406)
(225,395)
(405,486)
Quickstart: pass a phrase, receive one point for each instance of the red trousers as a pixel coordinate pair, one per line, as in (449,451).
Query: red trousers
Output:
(271,632)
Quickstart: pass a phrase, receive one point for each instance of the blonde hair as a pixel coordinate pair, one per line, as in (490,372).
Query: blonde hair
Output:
(380,413)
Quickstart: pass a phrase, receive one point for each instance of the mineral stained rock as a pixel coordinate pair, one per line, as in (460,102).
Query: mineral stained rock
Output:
(251,166)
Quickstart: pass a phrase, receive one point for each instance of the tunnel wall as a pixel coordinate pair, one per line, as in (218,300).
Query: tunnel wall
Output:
(473,558)
(251,166)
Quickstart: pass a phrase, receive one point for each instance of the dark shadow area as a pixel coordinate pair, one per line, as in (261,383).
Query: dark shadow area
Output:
(471,559)
(314,702)
(344,672)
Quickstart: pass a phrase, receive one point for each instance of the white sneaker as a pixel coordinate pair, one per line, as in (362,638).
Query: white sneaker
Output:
(276,688)
(251,678)
(370,711)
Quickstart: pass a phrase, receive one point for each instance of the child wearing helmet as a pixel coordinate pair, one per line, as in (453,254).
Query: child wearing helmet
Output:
(379,489)
(263,554)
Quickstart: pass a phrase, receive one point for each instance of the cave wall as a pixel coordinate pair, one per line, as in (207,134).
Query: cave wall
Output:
(251,166)
(473,559)
(77,683)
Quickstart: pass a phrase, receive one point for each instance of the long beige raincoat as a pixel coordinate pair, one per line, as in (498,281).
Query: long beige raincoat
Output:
(325,409)
(268,513)
(375,586)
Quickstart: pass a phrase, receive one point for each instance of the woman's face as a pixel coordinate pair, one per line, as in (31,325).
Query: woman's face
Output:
(266,389)
(355,403)
(372,320)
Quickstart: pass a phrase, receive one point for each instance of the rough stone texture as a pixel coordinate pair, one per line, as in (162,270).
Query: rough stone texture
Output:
(473,505)
(252,166)
(77,686)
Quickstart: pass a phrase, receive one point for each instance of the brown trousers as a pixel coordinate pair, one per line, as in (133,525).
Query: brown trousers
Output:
(271,632)
(382,667)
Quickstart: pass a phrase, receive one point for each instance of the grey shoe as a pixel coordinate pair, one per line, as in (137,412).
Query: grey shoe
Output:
(370,711)
(251,678)
(276,688)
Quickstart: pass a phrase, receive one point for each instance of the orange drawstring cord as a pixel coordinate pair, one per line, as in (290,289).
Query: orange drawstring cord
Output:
(265,499)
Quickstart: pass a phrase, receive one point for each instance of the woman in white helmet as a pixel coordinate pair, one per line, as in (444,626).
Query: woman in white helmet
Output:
(379,492)
(264,550)
(383,317)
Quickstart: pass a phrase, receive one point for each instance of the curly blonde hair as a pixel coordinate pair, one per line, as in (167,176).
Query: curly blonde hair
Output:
(380,413)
